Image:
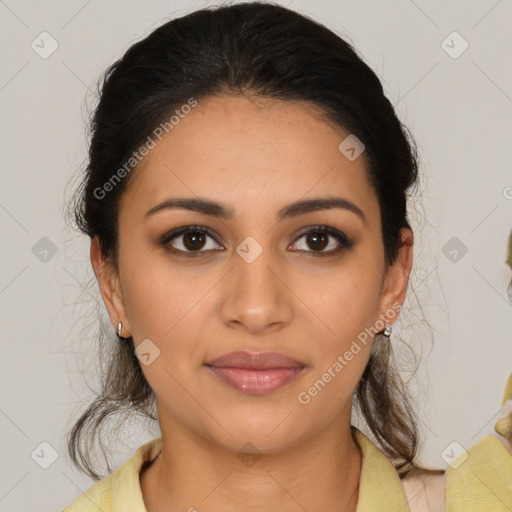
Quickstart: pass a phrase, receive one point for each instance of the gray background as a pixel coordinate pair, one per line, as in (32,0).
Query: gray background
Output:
(459,110)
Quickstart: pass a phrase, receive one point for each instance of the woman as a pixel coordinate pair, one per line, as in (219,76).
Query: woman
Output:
(246,202)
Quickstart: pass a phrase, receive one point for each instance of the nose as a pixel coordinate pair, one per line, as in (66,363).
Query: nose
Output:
(256,297)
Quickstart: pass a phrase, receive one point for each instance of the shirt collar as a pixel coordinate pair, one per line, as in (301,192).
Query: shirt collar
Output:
(380,487)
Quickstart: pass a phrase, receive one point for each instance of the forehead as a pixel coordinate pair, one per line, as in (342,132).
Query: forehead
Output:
(251,152)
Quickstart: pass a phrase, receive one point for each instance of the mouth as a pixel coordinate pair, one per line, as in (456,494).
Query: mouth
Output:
(255,373)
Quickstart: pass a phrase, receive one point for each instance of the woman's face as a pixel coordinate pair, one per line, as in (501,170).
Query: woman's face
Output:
(255,281)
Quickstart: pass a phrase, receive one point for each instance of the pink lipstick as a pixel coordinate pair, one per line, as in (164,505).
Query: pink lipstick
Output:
(255,373)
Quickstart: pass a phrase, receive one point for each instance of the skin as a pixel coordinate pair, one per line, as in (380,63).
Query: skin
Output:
(194,309)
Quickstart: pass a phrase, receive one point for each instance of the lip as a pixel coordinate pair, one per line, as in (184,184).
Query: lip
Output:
(255,373)
(255,360)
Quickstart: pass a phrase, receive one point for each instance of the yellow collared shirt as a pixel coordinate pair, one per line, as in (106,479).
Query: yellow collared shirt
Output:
(483,482)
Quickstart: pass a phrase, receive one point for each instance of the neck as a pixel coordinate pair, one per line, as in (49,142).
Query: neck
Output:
(193,473)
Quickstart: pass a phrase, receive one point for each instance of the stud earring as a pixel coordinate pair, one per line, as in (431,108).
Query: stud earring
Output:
(387,331)
(119,329)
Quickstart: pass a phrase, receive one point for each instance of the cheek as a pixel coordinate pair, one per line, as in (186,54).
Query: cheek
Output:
(347,303)
(158,301)
(164,307)
(157,294)
(170,306)
(348,310)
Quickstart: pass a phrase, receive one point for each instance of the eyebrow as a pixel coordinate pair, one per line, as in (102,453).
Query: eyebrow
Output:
(213,209)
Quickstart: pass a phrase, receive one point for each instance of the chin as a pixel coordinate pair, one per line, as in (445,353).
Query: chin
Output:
(264,431)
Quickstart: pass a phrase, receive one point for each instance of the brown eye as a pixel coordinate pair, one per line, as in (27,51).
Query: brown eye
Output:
(318,241)
(189,240)
(319,238)
(193,241)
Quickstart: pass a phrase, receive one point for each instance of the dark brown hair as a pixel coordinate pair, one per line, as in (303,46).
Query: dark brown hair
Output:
(269,51)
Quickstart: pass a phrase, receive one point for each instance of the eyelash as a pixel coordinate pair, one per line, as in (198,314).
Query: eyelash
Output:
(344,242)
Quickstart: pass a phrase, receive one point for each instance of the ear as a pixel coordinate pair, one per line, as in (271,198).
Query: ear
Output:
(395,282)
(108,280)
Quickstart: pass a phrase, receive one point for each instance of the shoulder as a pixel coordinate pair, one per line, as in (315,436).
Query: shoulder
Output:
(121,490)
(425,491)
(479,478)
(481,475)
(381,488)
(97,497)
